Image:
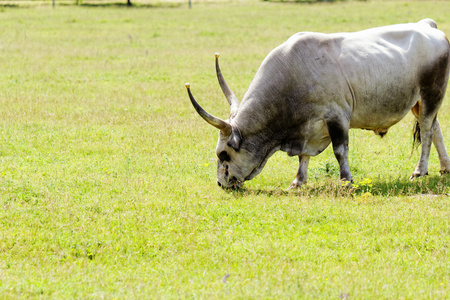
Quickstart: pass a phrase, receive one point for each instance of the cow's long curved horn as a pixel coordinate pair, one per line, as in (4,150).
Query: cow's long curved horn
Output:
(234,102)
(220,124)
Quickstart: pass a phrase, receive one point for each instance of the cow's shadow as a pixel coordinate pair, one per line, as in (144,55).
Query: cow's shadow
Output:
(434,185)
(428,185)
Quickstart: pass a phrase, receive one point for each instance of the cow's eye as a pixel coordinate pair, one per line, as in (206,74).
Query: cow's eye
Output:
(223,156)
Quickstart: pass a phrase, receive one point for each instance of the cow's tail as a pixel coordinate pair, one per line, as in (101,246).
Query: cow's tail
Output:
(416,129)
(416,138)
(416,135)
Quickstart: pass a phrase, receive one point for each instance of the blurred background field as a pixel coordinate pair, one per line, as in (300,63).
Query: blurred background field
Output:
(165,3)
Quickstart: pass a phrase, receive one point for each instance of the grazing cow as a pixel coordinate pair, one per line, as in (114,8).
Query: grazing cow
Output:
(312,89)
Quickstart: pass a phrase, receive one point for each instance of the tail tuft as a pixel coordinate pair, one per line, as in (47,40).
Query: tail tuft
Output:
(416,137)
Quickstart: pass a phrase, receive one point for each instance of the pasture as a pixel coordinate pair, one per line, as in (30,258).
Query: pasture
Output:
(107,174)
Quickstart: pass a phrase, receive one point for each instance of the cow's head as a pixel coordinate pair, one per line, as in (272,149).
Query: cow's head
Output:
(238,159)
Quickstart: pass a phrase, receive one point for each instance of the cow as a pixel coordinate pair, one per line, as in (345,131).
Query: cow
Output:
(313,88)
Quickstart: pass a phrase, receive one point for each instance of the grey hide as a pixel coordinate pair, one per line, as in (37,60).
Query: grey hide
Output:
(313,88)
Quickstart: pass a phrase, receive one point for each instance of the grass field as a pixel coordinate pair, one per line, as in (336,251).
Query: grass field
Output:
(107,174)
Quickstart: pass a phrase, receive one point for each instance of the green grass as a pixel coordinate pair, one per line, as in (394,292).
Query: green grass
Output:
(107,174)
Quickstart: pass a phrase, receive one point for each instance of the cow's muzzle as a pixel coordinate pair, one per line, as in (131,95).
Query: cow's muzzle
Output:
(232,184)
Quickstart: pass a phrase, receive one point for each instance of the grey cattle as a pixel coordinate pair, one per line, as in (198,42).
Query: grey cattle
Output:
(313,88)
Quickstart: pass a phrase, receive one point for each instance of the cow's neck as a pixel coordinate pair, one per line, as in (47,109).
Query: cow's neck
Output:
(266,123)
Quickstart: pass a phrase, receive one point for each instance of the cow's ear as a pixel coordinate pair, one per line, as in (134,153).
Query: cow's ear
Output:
(235,141)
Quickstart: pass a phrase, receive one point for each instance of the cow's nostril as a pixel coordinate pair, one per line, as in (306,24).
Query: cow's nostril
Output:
(218,183)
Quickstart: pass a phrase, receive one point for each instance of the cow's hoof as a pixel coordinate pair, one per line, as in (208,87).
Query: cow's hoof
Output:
(296,185)
(416,175)
(444,172)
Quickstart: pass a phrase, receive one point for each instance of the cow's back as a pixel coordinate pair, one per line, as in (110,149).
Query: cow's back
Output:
(375,73)
(384,68)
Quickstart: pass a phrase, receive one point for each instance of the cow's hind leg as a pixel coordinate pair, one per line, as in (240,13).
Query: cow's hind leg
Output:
(338,131)
(432,92)
(302,173)
(426,138)
(438,141)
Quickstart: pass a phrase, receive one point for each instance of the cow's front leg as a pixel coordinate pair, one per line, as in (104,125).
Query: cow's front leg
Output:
(302,173)
(338,131)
